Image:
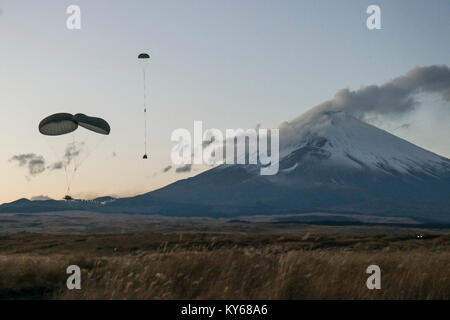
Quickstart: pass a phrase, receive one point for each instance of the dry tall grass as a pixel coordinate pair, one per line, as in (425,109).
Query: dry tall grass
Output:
(277,270)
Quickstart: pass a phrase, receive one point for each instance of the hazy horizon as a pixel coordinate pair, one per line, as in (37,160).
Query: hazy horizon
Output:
(229,64)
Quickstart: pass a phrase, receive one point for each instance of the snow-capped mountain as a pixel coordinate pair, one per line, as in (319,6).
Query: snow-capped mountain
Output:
(341,140)
(329,161)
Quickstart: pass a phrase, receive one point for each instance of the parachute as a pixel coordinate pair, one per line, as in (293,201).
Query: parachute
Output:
(97,125)
(60,125)
(144,58)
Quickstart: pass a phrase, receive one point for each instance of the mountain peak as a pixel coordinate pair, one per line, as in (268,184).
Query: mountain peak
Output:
(346,141)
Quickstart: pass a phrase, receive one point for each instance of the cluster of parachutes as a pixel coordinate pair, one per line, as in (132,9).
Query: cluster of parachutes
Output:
(64,123)
(60,124)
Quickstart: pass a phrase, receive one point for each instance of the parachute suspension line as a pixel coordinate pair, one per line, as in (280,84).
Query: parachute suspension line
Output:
(88,151)
(67,178)
(79,144)
(84,153)
(143,58)
(145,111)
(57,156)
(69,181)
(78,141)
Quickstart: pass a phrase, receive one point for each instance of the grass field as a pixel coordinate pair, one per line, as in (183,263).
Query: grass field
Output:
(310,263)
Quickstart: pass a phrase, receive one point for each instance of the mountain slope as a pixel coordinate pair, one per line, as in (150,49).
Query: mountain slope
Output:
(329,161)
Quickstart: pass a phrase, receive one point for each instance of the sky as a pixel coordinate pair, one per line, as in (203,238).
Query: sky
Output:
(231,64)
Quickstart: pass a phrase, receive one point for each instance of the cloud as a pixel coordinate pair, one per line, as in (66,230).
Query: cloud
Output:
(394,98)
(73,150)
(35,163)
(205,144)
(185,168)
(166,169)
(405,126)
(56,166)
(40,198)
